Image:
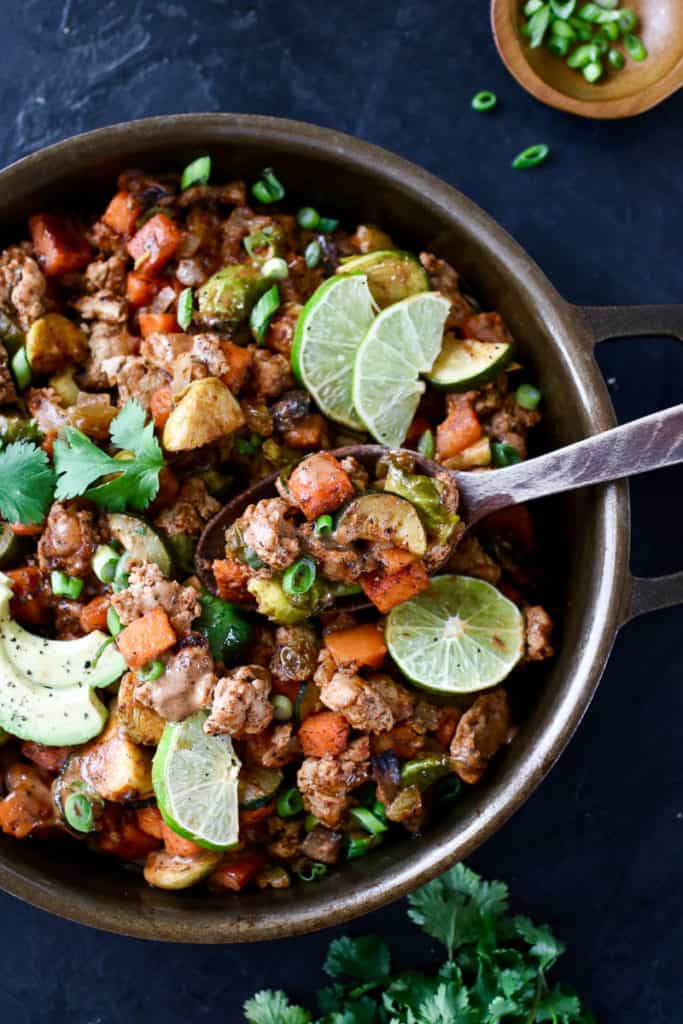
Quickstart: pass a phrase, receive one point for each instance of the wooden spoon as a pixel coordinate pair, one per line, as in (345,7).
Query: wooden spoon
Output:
(645,444)
(638,87)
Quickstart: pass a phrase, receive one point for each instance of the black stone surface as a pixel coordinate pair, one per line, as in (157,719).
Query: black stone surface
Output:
(596,851)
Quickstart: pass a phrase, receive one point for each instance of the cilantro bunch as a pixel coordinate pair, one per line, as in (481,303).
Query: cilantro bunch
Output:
(495,971)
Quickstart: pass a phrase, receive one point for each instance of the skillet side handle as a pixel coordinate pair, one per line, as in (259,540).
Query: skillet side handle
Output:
(651,595)
(605,322)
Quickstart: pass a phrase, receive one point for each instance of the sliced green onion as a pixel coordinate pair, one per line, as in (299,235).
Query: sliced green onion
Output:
(312,254)
(312,871)
(379,810)
(327,225)
(290,803)
(367,820)
(531,6)
(257,240)
(628,19)
(78,812)
(308,218)
(120,581)
(531,157)
(584,31)
(601,44)
(358,846)
(324,525)
(310,822)
(184,311)
(583,55)
(593,71)
(248,445)
(283,708)
(300,576)
(558,45)
(262,312)
(616,59)
(151,671)
(484,101)
(611,31)
(524,30)
(114,624)
(635,47)
(268,189)
(101,649)
(528,396)
(504,454)
(608,5)
(562,9)
(275,268)
(425,444)
(104,563)
(65,586)
(563,29)
(196,173)
(21,368)
(597,15)
(538,25)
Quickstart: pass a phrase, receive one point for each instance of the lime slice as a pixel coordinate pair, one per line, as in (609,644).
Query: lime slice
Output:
(466,363)
(329,330)
(402,342)
(195,782)
(458,636)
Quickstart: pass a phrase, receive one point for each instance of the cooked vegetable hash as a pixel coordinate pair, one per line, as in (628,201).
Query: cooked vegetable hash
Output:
(159,357)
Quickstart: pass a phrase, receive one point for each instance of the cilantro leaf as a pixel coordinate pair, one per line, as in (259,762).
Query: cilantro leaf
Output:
(558,1005)
(26,483)
(271,1007)
(80,463)
(366,958)
(448,1005)
(544,946)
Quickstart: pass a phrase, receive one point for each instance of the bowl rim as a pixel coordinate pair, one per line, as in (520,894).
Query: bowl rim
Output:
(268,918)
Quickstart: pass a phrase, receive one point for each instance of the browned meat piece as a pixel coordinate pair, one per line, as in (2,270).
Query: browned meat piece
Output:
(241,222)
(186,685)
(511,424)
(28,808)
(339,562)
(148,588)
(68,619)
(149,191)
(271,374)
(487,327)
(104,306)
(192,271)
(470,559)
(46,409)
(22,286)
(285,838)
(191,510)
(426,716)
(105,341)
(356,472)
(280,334)
(50,758)
(323,845)
(273,748)
(257,416)
(162,350)
(133,378)
(240,704)
(539,628)
(206,349)
(68,541)
(7,389)
(480,733)
(489,398)
(445,279)
(326,782)
(232,194)
(296,653)
(375,704)
(266,530)
(107,275)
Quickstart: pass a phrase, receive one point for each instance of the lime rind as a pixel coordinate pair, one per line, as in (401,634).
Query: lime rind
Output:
(329,331)
(195,782)
(460,635)
(402,343)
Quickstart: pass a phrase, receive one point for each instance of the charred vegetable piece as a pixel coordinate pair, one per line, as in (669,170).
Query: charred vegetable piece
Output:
(425,771)
(383,518)
(256,787)
(53,342)
(206,412)
(392,275)
(114,765)
(231,294)
(427,495)
(140,540)
(169,871)
(11,336)
(274,603)
(224,626)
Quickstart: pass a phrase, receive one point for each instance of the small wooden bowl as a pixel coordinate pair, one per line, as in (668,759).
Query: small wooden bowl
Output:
(638,87)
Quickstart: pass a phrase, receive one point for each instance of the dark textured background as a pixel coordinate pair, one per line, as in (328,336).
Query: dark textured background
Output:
(597,850)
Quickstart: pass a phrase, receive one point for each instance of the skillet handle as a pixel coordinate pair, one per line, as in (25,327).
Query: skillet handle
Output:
(603,323)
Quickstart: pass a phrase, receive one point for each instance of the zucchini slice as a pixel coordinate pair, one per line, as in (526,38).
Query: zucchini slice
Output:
(256,787)
(392,274)
(465,363)
(382,517)
(139,539)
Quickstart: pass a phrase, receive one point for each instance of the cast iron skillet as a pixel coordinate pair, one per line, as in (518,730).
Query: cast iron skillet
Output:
(596,592)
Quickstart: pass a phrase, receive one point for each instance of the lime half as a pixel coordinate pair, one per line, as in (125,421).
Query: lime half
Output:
(329,330)
(459,636)
(195,782)
(402,342)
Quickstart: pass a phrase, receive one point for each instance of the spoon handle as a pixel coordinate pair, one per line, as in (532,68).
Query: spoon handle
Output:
(648,443)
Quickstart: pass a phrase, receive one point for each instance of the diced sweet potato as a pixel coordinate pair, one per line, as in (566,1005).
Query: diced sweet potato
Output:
(319,484)
(146,638)
(154,244)
(94,614)
(250,818)
(178,845)
(28,605)
(359,645)
(240,360)
(326,732)
(140,291)
(50,758)
(394,559)
(459,430)
(236,874)
(157,323)
(122,836)
(416,430)
(307,432)
(386,591)
(514,524)
(151,822)
(231,580)
(122,213)
(59,246)
(161,406)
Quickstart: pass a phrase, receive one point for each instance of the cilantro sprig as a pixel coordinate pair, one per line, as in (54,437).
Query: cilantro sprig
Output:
(26,483)
(495,971)
(79,463)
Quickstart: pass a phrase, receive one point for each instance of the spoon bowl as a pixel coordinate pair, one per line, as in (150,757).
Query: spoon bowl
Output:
(633,90)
